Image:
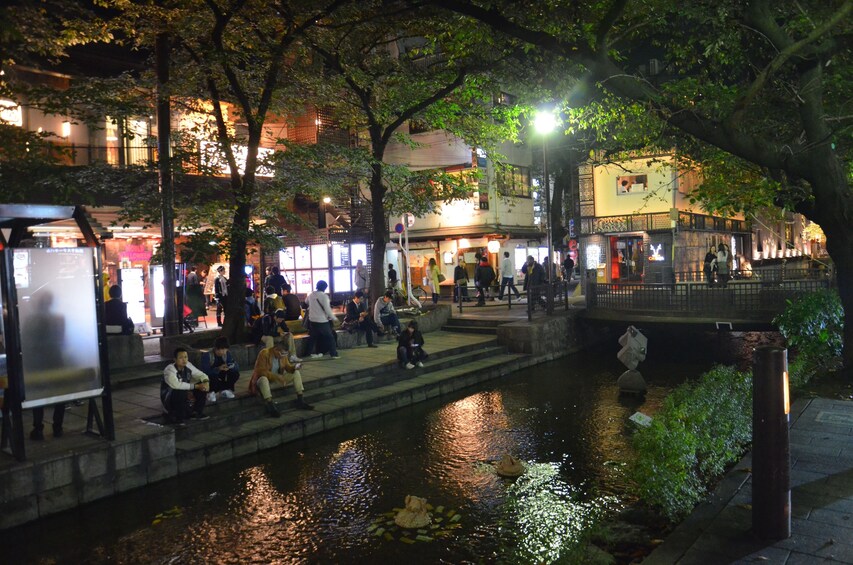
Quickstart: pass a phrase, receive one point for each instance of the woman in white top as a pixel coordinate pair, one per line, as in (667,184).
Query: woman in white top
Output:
(321,317)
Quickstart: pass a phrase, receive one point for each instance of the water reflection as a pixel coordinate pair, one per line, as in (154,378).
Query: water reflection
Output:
(315,501)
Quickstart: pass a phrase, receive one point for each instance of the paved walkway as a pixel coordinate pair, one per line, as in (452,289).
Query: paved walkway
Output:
(821,494)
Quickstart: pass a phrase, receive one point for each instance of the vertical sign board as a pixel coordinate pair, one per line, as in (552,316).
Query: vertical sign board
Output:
(133,292)
(156,296)
(57,324)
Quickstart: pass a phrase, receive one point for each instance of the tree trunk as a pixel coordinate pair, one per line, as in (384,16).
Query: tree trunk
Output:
(839,244)
(234,325)
(379,220)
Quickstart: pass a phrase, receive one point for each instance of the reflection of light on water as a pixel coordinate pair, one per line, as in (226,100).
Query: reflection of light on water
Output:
(543,517)
(462,432)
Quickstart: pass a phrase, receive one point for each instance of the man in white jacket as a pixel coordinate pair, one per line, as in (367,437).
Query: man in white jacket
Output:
(507,277)
(320,318)
(183,390)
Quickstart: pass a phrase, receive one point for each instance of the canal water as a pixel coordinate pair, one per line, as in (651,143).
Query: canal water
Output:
(331,498)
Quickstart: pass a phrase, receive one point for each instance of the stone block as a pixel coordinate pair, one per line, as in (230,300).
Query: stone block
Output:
(160,469)
(131,478)
(94,488)
(57,500)
(93,463)
(54,473)
(334,419)
(268,439)
(432,390)
(313,425)
(128,454)
(402,398)
(125,351)
(352,414)
(160,446)
(17,481)
(244,445)
(292,431)
(190,455)
(219,453)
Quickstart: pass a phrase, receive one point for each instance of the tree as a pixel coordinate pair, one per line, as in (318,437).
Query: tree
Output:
(233,55)
(764,83)
(386,65)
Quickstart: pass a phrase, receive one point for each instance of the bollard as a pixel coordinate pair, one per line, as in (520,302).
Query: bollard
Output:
(771,449)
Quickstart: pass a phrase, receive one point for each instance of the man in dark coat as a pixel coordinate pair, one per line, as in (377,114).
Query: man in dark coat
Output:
(483,277)
(357,318)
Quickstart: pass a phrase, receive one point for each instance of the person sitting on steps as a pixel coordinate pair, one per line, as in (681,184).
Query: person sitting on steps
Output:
(384,313)
(222,370)
(410,350)
(183,390)
(358,318)
(272,364)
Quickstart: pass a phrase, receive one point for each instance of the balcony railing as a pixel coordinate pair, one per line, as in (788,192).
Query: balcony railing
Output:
(660,221)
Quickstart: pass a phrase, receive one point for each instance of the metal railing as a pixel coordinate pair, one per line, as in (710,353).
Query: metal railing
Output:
(765,275)
(540,296)
(746,299)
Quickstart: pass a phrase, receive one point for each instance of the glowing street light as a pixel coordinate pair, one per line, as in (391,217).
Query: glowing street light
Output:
(544,122)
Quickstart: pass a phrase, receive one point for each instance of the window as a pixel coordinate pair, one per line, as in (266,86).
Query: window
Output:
(514,181)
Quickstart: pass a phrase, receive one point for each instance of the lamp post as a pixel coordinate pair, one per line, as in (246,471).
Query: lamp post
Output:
(322,221)
(545,122)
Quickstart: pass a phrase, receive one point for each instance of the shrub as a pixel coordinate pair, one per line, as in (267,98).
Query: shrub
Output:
(812,325)
(702,427)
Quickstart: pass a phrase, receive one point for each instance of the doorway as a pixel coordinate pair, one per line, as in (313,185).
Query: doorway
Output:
(626,258)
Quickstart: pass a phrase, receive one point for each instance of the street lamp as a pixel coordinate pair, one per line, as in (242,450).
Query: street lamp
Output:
(322,220)
(544,123)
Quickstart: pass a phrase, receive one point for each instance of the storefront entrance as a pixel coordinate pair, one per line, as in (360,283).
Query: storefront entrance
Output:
(626,258)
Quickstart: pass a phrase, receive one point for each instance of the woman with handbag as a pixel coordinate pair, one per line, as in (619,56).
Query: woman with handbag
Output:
(435,277)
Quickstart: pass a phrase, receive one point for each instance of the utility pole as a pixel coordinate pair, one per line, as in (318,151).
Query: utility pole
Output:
(171,325)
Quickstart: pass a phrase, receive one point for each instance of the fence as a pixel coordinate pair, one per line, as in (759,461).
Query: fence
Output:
(746,299)
(776,274)
(467,296)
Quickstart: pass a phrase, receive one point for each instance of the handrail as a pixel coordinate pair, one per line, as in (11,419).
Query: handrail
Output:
(744,298)
(539,295)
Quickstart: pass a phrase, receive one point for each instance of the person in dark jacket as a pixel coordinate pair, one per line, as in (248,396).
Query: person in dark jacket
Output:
(115,311)
(708,265)
(292,306)
(533,280)
(410,347)
(460,281)
(221,368)
(358,319)
(275,280)
(483,277)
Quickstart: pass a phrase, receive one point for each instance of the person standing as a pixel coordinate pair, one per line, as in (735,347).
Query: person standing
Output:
(722,262)
(507,276)
(460,280)
(272,300)
(483,277)
(221,369)
(392,276)
(275,280)
(220,291)
(321,317)
(359,277)
(533,280)
(433,275)
(568,267)
(183,390)
(708,266)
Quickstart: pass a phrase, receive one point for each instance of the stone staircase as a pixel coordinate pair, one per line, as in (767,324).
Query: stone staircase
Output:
(240,426)
(473,325)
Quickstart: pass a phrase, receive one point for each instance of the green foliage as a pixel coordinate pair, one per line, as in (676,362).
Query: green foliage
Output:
(703,427)
(813,326)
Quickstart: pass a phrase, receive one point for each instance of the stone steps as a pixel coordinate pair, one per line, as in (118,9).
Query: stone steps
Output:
(229,440)
(246,408)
